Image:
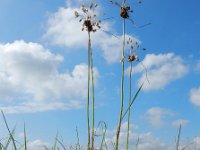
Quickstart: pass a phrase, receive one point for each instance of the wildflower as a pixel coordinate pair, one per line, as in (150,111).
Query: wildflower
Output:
(88,18)
(124,12)
(131,58)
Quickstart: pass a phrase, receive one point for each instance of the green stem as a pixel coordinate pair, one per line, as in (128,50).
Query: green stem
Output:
(122,91)
(78,147)
(178,140)
(129,112)
(93,99)
(88,90)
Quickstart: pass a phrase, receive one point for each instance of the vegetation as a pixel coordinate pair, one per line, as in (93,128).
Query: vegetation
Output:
(91,25)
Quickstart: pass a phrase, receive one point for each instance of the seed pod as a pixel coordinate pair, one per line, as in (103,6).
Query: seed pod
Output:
(136,58)
(76,14)
(91,5)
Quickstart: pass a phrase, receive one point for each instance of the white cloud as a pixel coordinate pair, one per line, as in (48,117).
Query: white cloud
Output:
(38,145)
(179,122)
(63,29)
(162,70)
(156,115)
(196,140)
(195,96)
(197,67)
(147,140)
(30,80)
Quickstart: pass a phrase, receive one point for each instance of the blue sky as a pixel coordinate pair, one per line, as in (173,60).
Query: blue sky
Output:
(43,70)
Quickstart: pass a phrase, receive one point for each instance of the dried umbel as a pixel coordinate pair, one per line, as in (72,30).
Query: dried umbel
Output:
(88,18)
(124,12)
(133,56)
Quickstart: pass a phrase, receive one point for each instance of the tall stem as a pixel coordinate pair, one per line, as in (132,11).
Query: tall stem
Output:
(88,90)
(93,100)
(129,112)
(122,91)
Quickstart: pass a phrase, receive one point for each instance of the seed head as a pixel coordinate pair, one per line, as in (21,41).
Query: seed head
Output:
(88,18)
(124,12)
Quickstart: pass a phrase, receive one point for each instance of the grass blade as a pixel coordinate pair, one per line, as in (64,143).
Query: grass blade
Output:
(104,128)
(138,140)
(10,139)
(62,145)
(55,143)
(1,146)
(77,144)
(11,136)
(25,141)
(178,140)
(134,98)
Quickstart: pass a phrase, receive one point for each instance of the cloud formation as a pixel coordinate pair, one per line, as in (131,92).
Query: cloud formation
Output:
(146,140)
(162,70)
(195,96)
(156,115)
(179,122)
(197,67)
(30,80)
(38,145)
(64,30)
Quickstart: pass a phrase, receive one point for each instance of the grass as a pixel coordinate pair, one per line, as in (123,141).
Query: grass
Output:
(11,143)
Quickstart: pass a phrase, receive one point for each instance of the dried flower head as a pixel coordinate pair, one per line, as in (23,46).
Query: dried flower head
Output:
(133,49)
(88,18)
(131,58)
(124,12)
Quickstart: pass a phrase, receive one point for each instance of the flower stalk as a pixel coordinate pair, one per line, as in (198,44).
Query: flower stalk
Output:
(90,25)
(122,89)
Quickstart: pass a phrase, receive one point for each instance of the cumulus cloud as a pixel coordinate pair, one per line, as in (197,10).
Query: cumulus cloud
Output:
(30,80)
(197,67)
(147,140)
(162,70)
(195,96)
(179,122)
(63,29)
(156,115)
(38,145)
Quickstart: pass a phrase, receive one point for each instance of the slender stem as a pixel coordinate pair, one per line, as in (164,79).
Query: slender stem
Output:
(78,147)
(122,91)
(178,140)
(25,139)
(93,99)
(88,90)
(129,112)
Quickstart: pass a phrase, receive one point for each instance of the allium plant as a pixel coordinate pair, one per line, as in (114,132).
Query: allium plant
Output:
(89,24)
(125,11)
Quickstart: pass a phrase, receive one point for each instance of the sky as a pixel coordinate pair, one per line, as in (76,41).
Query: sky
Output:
(43,71)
